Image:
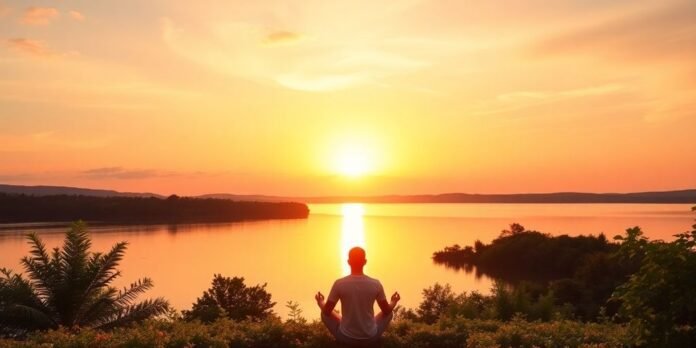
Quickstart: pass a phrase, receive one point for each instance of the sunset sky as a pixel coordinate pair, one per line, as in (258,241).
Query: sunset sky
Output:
(349,97)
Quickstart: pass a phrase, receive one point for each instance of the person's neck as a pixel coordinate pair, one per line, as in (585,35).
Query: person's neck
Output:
(356,272)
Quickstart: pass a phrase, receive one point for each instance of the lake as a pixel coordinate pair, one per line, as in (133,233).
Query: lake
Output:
(296,258)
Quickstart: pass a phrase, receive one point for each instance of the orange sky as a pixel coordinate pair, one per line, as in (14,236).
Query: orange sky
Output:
(269,96)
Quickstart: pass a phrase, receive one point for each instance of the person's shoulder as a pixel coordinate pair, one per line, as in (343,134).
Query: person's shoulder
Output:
(341,280)
(373,280)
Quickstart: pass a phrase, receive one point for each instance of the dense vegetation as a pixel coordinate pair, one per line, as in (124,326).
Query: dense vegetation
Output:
(274,333)
(648,285)
(580,272)
(443,319)
(521,254)
(24,208)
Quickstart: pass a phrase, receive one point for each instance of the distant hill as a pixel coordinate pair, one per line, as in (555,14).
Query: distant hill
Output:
(676,196)
(65,190)
(254,198)
(679,196)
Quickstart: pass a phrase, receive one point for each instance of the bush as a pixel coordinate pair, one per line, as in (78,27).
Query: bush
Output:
(272,333)
(658,300)
(231,298)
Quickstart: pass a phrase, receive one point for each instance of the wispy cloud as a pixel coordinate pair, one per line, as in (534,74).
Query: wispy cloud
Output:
(76,15)
(31,47)
(664,33)
(520,100)
(324,63)
(122,173)
(40,15)
(37,48)
(532,95)
(134,174)
(282,38)
(654,47)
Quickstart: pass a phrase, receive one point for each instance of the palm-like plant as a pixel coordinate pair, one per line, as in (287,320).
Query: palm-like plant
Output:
(70,287)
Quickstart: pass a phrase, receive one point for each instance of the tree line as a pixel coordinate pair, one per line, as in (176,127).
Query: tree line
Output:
(174,209)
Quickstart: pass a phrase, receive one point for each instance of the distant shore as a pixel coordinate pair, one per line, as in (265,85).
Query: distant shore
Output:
(686,196)
(662,197)
(20,208)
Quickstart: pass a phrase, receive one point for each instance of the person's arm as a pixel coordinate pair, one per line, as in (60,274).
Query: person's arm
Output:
(326,307)
(387,307)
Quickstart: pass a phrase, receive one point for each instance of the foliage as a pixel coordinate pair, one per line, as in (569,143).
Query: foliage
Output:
(272,333)
(70,286)
(505,303)
(24,208)
(515,228)
(658,300)
(562,333)
(231,298)
(436,300)
(521,254)
(579,273)
(593,283)
(295,313)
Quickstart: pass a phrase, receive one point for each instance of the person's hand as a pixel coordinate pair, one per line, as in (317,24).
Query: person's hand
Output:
(395,298)
(320,299)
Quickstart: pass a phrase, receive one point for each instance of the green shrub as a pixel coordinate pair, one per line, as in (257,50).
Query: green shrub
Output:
(273,333)
(231,298)
(658,301)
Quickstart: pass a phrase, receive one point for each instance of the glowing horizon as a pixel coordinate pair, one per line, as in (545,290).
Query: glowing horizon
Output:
(306,98)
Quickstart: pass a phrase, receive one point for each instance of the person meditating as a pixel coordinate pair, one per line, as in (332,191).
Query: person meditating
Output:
(357,293)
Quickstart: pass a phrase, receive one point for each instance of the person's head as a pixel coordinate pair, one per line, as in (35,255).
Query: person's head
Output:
(356,258)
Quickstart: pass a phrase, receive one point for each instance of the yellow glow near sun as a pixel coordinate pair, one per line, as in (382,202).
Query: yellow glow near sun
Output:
(353,161)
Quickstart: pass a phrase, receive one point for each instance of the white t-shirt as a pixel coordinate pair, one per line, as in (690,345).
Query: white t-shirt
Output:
(358,294)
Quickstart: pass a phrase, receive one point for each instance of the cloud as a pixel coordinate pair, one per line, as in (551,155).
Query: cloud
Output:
(134,174)
(653,50)
(282,38)
(519,100)
(122,173)
(564,94)
(36,48)
(31,47)
(78,16)
(40,15)
(666,33)
(326,63)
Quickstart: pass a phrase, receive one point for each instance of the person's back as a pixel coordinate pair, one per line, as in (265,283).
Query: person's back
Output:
(357,293)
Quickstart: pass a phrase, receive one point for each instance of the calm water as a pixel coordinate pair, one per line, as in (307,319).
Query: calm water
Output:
(298,257)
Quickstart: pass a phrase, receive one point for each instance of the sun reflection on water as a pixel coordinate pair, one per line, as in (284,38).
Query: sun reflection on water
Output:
(352,231)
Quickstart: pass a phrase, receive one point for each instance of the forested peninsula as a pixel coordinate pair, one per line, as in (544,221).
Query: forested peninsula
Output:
(15,208)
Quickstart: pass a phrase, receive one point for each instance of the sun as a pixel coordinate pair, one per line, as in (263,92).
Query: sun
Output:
(353,161)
